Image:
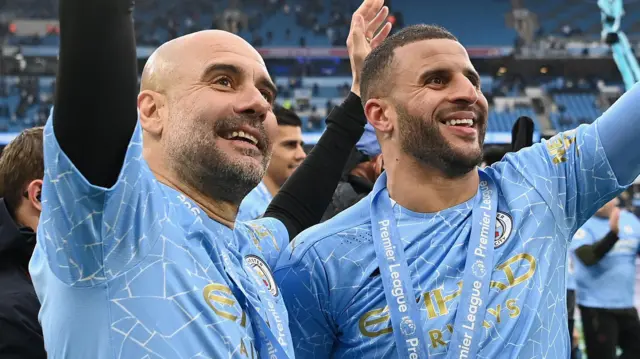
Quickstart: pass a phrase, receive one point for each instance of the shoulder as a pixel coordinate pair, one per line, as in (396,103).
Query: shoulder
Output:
(630,224)
(254,204)
(15,306)
(349,224)
(263,228)
(268,235)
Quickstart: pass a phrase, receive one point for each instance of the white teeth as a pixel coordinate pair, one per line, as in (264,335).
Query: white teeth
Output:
(242,134)
(457,122)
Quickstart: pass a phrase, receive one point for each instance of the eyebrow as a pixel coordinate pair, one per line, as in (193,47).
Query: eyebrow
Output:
(237,71)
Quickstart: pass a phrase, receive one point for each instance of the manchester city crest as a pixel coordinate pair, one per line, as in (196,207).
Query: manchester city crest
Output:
(504,226)
(264,276)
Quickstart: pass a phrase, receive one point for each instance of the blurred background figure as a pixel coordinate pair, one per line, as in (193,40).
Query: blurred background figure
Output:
(604,264)
(288,154)
(21,173)
(363,169)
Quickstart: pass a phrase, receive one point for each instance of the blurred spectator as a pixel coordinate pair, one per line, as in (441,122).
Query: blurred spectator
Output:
(361,172)
(21,173)
(315,120)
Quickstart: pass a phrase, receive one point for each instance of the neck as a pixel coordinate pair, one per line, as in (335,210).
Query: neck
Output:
(222,212)
(424,189)
(364,170)
(23,217)
(272,186)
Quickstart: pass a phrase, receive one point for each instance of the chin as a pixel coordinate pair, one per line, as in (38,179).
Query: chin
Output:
(467,152)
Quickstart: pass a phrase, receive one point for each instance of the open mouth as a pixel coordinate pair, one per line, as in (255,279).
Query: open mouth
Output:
(241,136)
(462,122)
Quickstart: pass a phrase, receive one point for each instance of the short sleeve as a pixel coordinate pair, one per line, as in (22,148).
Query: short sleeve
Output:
(305,290)
(570,172)
(89,234)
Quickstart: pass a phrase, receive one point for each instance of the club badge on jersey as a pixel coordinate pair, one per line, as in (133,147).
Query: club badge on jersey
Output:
(398,286)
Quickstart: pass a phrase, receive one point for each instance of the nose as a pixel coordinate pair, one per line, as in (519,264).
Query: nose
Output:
(464,91)
(300,154)
(252,103)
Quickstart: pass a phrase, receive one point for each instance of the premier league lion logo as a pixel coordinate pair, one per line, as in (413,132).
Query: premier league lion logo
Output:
(407,327)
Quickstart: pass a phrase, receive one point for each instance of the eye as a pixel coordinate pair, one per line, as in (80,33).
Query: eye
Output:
(267,95)
(436,80)
(223,81)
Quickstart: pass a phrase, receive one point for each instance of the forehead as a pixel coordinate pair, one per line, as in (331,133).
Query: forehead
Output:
(286,132)
(237,53)
(421,55)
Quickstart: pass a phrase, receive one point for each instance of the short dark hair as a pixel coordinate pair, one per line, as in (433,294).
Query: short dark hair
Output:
(286,117)
(375,72)
(22,161)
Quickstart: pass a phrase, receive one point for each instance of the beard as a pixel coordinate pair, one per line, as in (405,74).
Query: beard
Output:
(422,140)
(201,164)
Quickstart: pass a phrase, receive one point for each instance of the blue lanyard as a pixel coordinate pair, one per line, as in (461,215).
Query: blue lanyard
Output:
(266,342)
(398,286)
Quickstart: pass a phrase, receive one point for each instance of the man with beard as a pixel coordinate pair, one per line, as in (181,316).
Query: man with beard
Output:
(443,259)
(288,153)
(138,251)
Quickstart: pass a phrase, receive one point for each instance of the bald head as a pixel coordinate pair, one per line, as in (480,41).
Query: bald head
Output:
(180,58)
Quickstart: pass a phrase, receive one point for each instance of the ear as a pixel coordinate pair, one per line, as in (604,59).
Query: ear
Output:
(150,108)
(34,193)
(378,113)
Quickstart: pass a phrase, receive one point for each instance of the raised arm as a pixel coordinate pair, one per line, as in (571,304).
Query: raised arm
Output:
(302,200)
(94,112)
(619,130)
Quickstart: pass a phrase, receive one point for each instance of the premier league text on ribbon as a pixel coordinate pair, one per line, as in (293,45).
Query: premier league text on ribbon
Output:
(397,286)
(481,268)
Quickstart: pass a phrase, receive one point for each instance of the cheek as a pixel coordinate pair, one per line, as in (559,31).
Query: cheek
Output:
(424,107)
(484,104)
(271,126)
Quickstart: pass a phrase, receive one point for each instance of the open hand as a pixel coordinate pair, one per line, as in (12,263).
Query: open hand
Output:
(363,37)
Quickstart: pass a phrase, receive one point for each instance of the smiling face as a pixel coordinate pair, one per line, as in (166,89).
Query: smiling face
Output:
(219,124)
(422,94)
(440,111)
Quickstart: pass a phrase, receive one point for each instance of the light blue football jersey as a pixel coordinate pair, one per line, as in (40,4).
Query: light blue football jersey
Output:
(255,203)
(331,281)
(139,271)
(609,283)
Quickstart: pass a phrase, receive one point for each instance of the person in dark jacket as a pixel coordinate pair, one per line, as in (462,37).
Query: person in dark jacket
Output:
(361,172)
(21,173)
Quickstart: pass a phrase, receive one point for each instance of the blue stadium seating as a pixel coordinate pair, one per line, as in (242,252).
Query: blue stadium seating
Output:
(475,23)
(577,108)
(481,23)
(573,108)
(581,15)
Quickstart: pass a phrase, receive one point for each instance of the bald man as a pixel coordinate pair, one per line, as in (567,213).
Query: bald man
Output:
(139,254)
